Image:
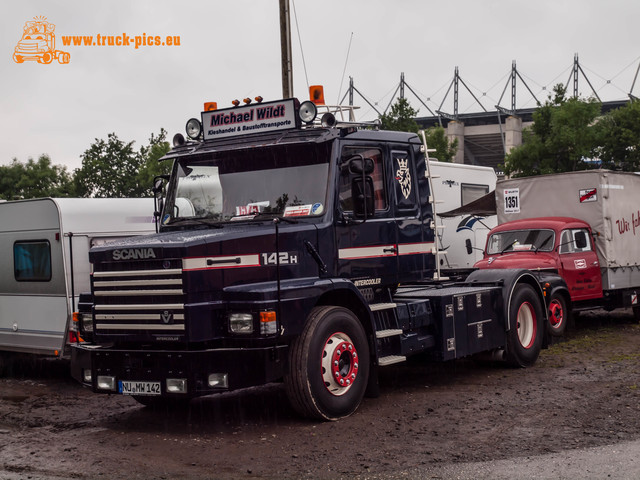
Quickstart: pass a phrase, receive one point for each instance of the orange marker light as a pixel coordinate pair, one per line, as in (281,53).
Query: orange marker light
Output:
(247,100)
(209,106)
(259,99)
(236,103)
(316,94)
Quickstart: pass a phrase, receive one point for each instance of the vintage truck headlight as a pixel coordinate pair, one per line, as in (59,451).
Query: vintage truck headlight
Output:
(241,322)
(87,322)
(176,385)
(106,382)
(220,380)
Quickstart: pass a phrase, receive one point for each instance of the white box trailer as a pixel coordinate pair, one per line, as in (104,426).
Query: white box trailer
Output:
(44,245)
(455,185)
(608,201)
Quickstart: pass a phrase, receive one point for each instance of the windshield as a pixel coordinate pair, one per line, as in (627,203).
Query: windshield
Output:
(521,241)
(287,181)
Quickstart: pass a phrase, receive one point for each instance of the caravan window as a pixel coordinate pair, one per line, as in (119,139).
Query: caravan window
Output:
(470,192)
(32,261)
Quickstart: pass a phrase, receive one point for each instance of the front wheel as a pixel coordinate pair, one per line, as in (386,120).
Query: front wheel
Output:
(558,315)
(524,338)
(328,365)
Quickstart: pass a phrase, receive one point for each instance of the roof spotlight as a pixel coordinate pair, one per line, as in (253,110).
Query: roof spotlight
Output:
(193,128)
(308,112)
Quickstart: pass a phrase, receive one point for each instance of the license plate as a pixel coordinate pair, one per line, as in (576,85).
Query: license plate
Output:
(127,387)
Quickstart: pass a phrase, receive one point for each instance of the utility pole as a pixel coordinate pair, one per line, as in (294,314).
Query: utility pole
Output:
(285,49)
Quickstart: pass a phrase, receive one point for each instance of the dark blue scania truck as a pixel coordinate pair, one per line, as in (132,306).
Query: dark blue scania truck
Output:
(290,251)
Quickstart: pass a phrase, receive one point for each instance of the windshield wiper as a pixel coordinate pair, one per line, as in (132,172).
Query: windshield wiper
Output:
(210,222)
(273,215)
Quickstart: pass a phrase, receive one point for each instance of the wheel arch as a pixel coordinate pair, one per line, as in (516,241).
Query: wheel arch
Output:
(348,296)
(509,279)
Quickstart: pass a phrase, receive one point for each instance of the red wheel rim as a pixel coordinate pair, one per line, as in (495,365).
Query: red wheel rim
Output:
(339,364)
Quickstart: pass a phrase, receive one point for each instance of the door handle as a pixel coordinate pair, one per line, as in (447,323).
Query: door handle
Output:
(390,250)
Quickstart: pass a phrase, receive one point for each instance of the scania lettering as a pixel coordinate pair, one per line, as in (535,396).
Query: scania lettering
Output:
(133,254)
(301,253)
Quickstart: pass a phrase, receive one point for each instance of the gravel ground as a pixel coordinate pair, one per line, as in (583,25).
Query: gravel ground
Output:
(465,419)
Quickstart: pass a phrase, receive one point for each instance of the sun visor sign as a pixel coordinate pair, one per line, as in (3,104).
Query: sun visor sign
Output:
(256,118)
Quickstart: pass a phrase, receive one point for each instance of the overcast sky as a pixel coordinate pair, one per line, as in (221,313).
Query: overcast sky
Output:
(231,49)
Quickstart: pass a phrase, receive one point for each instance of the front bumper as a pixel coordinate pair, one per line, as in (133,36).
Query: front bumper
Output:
(244,367)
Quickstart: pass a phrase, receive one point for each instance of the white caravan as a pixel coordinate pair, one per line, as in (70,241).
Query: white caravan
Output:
(44,260)
(455,185)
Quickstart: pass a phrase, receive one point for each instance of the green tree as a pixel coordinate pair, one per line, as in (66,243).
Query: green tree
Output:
(34,179)
(618,138)
(150,166)
(560,139)
(113,168)
(445,151)
(400,118)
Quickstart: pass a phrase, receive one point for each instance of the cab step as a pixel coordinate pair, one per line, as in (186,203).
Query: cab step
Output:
(376,307)
(390,360)
(390,332)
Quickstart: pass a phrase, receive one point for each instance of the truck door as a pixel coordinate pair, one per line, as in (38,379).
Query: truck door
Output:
(410,245)
(366,238)
(580,264)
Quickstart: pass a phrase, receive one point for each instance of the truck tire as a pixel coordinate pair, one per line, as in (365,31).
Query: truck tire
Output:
(524,338)
(328,365)
(558,315)
(46,58)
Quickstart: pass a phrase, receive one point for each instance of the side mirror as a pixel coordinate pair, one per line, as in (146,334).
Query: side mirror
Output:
(158,201)
(467,243)
(158,183)
(362,194)
(361,166)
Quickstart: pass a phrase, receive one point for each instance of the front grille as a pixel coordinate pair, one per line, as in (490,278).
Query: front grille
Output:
(139,300)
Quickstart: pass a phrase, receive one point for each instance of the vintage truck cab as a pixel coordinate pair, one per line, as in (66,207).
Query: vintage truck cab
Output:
(291,251)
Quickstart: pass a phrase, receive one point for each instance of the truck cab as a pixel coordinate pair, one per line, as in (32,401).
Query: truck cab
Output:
(289,250)
(557,245)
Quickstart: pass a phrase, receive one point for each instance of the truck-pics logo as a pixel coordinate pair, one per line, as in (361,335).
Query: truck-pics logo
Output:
(38,43)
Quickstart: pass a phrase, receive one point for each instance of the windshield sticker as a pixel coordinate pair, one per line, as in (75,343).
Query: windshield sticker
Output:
(403,176)
(317,209)
(166,219)
(251,208)
(298,211)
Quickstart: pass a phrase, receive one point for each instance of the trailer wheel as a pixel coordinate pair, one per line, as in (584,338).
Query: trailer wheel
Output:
(63,57)
(558,315)
(524,339)
(328,365)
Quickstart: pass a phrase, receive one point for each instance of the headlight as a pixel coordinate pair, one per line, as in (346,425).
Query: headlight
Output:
(241,323)
(87,323)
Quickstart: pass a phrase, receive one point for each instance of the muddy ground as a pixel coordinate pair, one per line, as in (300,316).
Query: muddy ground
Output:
(584,391)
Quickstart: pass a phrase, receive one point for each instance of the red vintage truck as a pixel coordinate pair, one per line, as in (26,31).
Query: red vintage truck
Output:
(580,231)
